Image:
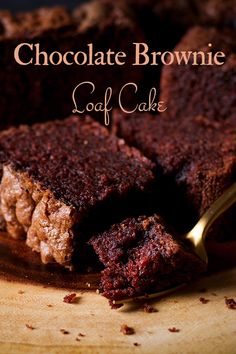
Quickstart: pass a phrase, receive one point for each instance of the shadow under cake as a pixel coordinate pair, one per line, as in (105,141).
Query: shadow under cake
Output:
(142,256)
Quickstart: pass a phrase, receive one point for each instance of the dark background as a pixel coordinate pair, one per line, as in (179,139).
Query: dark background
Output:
(21,5)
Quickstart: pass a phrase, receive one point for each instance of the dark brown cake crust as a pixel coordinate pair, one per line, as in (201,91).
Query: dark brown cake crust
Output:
(39,93)
(64,174)
(141,256)
(196,157)
(202,90)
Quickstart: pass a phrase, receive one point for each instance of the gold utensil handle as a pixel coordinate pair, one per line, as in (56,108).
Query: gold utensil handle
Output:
(223,203)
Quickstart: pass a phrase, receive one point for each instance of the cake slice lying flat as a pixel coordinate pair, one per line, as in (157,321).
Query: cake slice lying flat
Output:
(196,157)
(60,178)
(141,256)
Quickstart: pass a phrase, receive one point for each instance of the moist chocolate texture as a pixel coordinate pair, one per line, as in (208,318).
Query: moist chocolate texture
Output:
(66,177)
(141,256)
(196,161)
(202,90)
(38,93)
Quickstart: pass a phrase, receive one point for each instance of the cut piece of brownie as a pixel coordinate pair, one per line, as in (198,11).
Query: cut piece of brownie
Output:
(141,256)
(210,91)
(31,93)
(196,158)
(61,179)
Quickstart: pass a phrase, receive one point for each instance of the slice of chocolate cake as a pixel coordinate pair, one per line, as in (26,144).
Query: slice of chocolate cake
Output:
(30,93)
(208,90)
(141,257)
(196,158)
(62,179)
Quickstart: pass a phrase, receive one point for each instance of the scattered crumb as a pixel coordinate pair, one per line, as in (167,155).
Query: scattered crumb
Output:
(203,290)
(203,300)
(97,291)
(137,344)
(69,298)
(21,292)
(29,326)
(77,339)
(63,331)
(115,306)
(230,303)
(88,285)
(81,335)
(173,330)
(49,305)
(148,308)
(126,329)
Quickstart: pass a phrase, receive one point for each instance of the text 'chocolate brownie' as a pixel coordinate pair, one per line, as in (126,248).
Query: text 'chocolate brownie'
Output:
(33,93)
(141,256)
(61,178)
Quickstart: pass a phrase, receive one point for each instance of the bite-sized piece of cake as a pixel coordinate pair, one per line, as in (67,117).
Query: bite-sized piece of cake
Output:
(141,256)
(30,93)
(191,90)
(61,179)
(196,158)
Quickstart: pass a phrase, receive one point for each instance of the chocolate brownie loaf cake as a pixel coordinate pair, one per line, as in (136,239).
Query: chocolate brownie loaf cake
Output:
(202,90)
(65,176)
(195,157)
(141,256)
(30,93)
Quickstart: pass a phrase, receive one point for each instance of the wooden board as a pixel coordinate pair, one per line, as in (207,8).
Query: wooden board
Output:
(204,328)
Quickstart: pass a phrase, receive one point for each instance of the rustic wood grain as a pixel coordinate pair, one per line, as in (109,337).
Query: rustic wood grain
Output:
(206,328)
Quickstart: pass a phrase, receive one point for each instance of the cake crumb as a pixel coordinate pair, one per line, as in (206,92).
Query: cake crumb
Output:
(230,303)
(203,300)
(173,330)
(126,329)
(30,326)
(88,285)
(137,344)
(148,308)
(63,331)
(70,298)
(21,292)
(115,306)
(81,334)
(77,339)
(49,305)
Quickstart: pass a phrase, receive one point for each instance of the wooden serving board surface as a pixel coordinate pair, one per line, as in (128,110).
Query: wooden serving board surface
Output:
(204,328)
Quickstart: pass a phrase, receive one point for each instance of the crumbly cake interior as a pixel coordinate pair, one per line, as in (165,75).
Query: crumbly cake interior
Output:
(54,190)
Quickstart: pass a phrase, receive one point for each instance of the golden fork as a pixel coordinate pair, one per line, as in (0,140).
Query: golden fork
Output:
(197,236)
